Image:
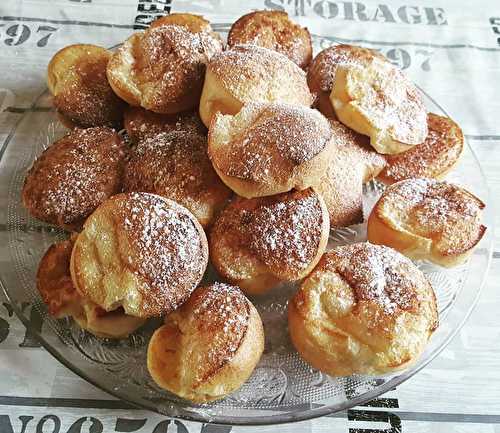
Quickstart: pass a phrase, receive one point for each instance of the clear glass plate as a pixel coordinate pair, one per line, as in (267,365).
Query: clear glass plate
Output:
(283,388)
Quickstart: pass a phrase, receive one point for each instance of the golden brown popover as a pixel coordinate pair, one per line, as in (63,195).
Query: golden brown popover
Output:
(208,347)
(53,281)
(429,220)
(258,243)
(434,158)
(76,77)
(175,165)
(251,74)
(266,149)
(379,100)
(162,69)
(322,70)
(141,252)
(74,175)
(365,309)
(276,31)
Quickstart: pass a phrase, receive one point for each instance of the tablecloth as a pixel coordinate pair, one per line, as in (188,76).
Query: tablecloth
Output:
(450,49)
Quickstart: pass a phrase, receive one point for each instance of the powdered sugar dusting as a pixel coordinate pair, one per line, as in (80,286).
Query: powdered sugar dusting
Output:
(141,124)
(74,175)
(282,231)
(441,211)
(170,64)
(410,192)
(256,74)
(385,96)
(84,95)
(434,202)
(170,164)
(321,72)
(186,45)
(273,30)
(281,137)
(286,232)
(222,313)
(225,303)
(165,249)
(380,275)
(176,165)
(434,157)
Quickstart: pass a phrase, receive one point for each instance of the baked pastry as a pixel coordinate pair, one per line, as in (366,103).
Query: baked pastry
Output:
(74,175)
(208,347)
(378,100)
(273,30)
(76,77)
(322,70)
(175,165)
(434,158)
(258,243)
(353,163)
(53,281)
(141,252)
(193,23)
(369,162)
(248,73)
(266,149)
(429,220)
(141,124)
(162,69)
(365,309)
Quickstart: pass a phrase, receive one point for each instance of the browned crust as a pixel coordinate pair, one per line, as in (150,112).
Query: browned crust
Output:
(53,280)
(360,265)
(343,322)
(270,148)
(224,314)
(208,347)
(354,161)
(163,68)
(427,219)
(268,76)
(321,71)
(286,234)
(141,124)
(370,162)
(342,190)
(380,101)
(193,23)
(434,158)
(280,135)
(276,31)
(175,165)
(82,94)
(74,175)
(151,243)
(63,300)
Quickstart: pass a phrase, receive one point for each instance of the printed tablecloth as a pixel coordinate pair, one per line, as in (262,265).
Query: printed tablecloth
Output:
(451,49)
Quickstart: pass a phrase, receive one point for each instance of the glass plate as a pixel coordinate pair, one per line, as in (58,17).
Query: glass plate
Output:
(283,388)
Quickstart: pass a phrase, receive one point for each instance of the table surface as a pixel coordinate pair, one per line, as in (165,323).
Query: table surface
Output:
(452,50)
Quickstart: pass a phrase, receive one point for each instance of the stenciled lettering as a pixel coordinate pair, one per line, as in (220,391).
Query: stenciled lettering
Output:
(359,11)
(149,11)
(53,421)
